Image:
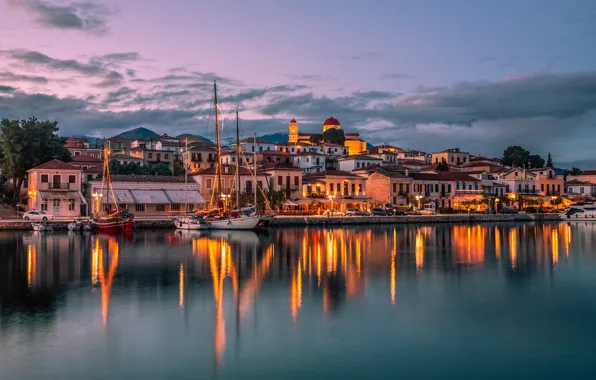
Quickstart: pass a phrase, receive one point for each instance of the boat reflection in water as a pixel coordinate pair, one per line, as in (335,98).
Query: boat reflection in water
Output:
(241,301)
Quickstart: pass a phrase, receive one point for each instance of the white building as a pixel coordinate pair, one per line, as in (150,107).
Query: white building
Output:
(576,188)
(310,162)
(55,187)
(250,145)
(349,163)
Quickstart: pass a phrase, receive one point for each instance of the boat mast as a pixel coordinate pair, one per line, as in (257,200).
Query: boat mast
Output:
(187,159)
(218,142)
(237,179)
(254,165)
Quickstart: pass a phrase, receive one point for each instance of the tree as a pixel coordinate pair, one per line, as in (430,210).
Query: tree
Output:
(535,161)
(26,144)
(316,138)
(179,168)
(334,136)
(575,171)
(517,156)
(442,166)
(549,161)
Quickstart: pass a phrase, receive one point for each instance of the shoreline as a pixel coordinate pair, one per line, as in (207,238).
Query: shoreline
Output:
(295,221)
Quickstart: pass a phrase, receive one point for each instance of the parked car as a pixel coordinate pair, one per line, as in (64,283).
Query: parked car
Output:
(505,210)
(489,211)
(379,212)
(355,212)
(398,212)
(37,215)
(330,213)
(534,210)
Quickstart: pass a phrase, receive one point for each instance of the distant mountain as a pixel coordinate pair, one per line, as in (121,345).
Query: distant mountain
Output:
(275,137)
(139,134)
(194,137)
(369,145)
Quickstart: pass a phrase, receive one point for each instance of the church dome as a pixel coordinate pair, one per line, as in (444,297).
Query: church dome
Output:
(331,121)
(293,121)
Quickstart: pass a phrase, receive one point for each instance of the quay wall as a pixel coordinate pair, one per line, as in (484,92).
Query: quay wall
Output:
(289,221)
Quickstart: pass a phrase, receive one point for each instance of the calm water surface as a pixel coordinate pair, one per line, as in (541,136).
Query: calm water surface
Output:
(415,302)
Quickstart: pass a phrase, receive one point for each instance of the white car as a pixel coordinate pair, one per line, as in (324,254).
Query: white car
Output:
(37,215)
(331,213)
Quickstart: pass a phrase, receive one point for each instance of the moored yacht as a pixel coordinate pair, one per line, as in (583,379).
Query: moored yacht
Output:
(581,211)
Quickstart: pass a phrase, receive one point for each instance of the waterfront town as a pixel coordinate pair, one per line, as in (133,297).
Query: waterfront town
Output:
(333,173)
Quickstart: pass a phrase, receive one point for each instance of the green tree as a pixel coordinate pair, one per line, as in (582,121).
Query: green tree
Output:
(549,161)
(442,166)
(535,161)
(334,136)
(26,144)
(515,156)
(316,138)
(179,168)
(575,171)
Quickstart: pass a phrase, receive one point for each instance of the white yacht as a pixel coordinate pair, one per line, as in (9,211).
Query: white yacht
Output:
(582,211)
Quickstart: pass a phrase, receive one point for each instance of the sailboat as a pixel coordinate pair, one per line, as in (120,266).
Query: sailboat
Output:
(236,219)
(191,222)
(114,221)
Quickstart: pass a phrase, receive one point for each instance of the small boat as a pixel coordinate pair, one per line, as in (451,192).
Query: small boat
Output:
(112,224)
(192,223)
(41,227)
(581,212)
(76,225)
(235,222)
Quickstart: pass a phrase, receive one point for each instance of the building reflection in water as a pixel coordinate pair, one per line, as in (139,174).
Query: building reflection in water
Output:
(326,267)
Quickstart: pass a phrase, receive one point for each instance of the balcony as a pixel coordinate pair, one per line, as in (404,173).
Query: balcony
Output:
(59,186)
(469,192)
(316,195)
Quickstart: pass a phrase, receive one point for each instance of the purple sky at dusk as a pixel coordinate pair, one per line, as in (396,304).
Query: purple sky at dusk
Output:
(425,74)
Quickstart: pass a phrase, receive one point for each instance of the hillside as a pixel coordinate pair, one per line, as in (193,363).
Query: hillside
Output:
(193,137)
(275,137)
(139,133)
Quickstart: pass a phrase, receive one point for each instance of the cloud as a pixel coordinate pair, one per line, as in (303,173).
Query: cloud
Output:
(368,54)
(84,16)
(312,77)
(390,76)
(11,77)
(113,78)
(6,88)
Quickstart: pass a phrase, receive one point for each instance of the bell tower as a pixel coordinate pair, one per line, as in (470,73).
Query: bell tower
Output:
(293,131)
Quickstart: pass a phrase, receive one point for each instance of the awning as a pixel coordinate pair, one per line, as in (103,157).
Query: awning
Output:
(62,195)
(185,196)
(290,203)
(123,197)
(150,196)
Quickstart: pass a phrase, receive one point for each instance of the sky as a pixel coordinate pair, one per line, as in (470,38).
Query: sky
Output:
(420,74)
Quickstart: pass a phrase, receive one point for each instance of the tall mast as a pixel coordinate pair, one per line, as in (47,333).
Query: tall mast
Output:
(218,164)
(185,163)
(237,179)
(254,165)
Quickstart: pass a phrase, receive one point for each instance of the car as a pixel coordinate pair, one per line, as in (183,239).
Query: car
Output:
(398,212)
(379,212)
(505,210)
(533,210)
(330,213)
(355,212)
(489,211)
(37,215)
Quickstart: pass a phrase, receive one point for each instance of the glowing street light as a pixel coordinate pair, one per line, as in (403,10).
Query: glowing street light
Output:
(97,198)
(331,197)
(418,199)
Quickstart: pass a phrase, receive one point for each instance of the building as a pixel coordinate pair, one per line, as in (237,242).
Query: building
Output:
(575,188)
(548,183)
(250,145)
(310,162)
(126,159)
(353,143)
(85,162)
(586,176)
(80,146)
(336,189)
(148,195)
(489,183)
(154,157)
(386,186)
(118,144)
(413,164)
(207,180)
(199,157)
(352,162)
(388,155)
(447,189)
(273,156)
(451,156)
(408,154)
(55,187)
(285,177)
(295,148)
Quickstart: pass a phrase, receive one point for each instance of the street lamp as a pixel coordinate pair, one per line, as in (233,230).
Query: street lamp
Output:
(418,198)
(97,198)
(331,197)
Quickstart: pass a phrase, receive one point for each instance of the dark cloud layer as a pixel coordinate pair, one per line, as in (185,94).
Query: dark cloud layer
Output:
(12,77)
(84,16)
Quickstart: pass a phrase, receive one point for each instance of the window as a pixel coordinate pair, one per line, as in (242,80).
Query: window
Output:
(160,208)
(464,159)
(436,187)
(457,185)
(72,178)
(89,177)
(518,187)
(260,149)
(175,207)
(44,178)
(581,191)
(331,187)
(44,205)
(296,180)
(449,188)
(280,180)
(353,188)
(395,187)
(190,206)
(558,188)
(408,188)
(77,153)
(140,208)
(150,155)
(208,183)
(516,174)
(166,156)
(533,188)
(259,184)
(541,187)
(360,188)
(56,203)
(71,204)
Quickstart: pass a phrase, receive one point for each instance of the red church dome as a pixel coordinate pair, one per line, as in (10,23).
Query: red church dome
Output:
(331,121)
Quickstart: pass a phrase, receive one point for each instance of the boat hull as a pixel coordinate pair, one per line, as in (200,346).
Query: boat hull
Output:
(113,225)
(242,223)
(187,225)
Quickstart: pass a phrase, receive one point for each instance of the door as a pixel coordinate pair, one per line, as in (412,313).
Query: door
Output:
(56,181)
(57,207)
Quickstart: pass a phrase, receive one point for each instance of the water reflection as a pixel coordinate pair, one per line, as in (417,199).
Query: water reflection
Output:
(315,271)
